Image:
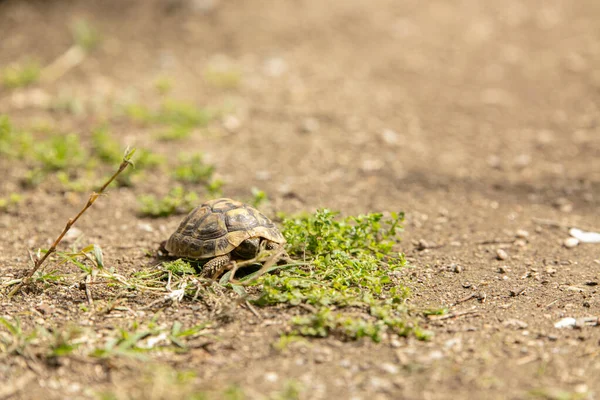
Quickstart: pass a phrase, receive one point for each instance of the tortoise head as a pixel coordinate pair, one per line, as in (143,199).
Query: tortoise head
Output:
(248,249)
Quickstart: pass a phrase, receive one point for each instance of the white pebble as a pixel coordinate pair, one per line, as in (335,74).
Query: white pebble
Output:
(389,368)
(390,137)
(501,254)
(522,234)
(571,242)
(271,377)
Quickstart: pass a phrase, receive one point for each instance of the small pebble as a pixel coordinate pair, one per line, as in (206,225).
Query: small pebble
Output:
(390,137)
(503,269)
(271,377)
(520,243)
(571,242)
(372,165)
(522,234)
(515,324)
(389,368)
(232,123)
(72,235)
(501,254)
(310,125)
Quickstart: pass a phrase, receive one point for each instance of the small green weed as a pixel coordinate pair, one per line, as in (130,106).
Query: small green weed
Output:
(259,197)
(15,340)
(224,77)
(215,188)
(171,113)
(85,35)
(11,202)
(556,394)
(60,152)
(105,147)
(13,143)
(163,85)
(174,133)
(179,267)
(19,75)
(177,201)
(193,169)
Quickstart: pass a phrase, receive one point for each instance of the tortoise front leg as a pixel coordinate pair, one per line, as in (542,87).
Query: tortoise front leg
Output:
(215,267)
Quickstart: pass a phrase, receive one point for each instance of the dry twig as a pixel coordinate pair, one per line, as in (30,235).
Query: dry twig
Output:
(93,197)
(454,315)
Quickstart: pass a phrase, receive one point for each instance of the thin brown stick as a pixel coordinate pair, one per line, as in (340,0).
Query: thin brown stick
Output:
(454,315)
(557,224)
(88,292)
(93,197)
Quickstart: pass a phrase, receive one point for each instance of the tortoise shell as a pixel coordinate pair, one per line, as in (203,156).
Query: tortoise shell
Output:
(217,227)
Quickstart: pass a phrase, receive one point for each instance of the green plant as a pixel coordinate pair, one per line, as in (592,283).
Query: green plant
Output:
(179,267)
(192,168)
(15,340)
(177,201)
(225,77)
(172,113)
(85,35)
(105,147)
(60,152)
(175,132)
(13,143)
(259,197)
(126,343)
(19,75)
(351,265)
(11,202)
(215,188)
(163,85)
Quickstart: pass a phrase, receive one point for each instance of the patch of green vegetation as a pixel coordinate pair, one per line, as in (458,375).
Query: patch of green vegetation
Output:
(214,188)
(11,202)
(193,169)
(140,339)
(179,267)
(351,264)
(321,323)
(14,340)
(224,77)
(171,113)
(13,143)
(556,394)
(292,390)
(234,392)
(60,152)
(177,201)
(105,147)
(19,75)
(174,133)
(436,311)
(65,341)
(85,35)
(66,103)
(163,85)
(259,197)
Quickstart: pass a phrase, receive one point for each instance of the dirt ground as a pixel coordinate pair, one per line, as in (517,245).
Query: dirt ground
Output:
(479,119)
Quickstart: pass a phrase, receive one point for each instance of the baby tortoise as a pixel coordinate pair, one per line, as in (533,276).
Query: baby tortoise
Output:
(223,231)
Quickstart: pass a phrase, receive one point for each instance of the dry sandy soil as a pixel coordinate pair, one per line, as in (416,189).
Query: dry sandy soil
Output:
(479,119)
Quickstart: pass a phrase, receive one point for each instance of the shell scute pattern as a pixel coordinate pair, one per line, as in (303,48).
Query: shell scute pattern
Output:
(217,227)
